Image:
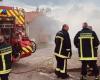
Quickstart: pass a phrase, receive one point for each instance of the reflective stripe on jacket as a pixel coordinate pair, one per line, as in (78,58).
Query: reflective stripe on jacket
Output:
(63,44)
(86,41)
(5,58)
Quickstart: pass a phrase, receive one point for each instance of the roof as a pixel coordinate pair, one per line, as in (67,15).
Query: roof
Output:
(6,7)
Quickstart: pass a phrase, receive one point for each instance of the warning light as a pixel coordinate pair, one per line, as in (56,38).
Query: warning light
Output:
(4,11)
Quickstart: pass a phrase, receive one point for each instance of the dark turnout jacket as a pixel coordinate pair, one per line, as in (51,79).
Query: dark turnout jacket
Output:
(5,58)
(63,44)
(87,42)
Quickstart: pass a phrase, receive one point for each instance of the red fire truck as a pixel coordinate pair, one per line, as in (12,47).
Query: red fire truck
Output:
(12,24)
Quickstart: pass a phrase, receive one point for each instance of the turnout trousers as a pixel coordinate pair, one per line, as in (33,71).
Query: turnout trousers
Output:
(93,65)
(61,69)
(4,76)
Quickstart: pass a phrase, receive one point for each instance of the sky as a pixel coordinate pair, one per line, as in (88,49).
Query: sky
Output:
(65,8)
(48,2)
(32,3)
(72,12)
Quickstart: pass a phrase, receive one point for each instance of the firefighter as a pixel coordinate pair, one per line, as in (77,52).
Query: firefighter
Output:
(5,58)
(87,41)
(62,51)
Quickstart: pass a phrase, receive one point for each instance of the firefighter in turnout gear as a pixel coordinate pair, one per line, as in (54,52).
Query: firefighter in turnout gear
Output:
(5,58)
(62,51)
(87,41)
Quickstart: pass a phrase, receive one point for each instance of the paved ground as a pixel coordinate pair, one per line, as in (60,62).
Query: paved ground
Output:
(41,65)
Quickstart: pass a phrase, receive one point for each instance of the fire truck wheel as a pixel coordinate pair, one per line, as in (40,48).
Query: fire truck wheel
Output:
(33,46)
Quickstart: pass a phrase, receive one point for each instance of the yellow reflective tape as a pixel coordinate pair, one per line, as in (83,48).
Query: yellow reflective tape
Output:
(21,13)
(64,67)
(25,49)
(30,48)
(18,15)
(15,16)
(57,69)
(22,18)
(83,37)
(69,54)
(59,37)
(88,58)
(5,53)
(3,61)
(16,12)
(63,71)
(81,52)
(6,48)
(18,19)
(61,56)
(8,13)
(68,49)
(61,43)
(5,71)
(92,47)
(61,46)
(86,33)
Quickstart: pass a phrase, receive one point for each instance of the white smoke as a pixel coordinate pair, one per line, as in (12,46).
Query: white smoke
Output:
(75,15)
(43,29)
